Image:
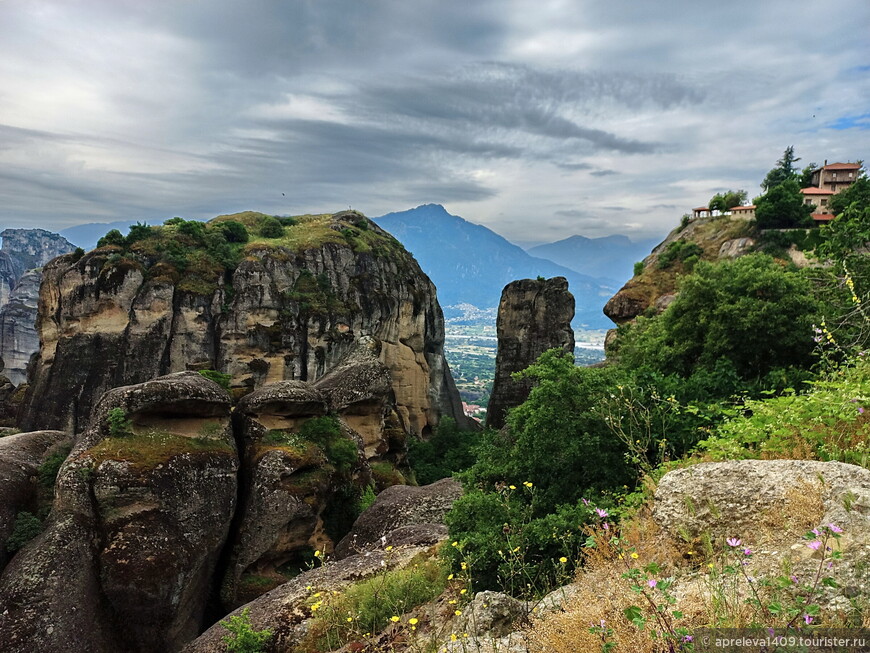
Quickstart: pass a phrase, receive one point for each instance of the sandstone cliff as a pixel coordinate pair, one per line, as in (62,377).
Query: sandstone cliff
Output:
(534,315)
(290,309)
(18,337)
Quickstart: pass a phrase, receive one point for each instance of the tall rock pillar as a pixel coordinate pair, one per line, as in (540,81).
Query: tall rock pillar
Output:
(534,315)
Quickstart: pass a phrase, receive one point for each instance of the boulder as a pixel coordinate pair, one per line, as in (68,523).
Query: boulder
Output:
(18,337)
(289,486)
(396,507)
(142,509)
(745,498)
(534,315)
(20,458)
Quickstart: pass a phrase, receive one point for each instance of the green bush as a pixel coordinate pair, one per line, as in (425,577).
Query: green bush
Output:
(119,425)
(449,450)
(638,268)
(223,380)
(679,250)
(243,638)
(367,499)
(287,221)
(752,312)
(114,237)
(48,470)
(271,228)
(343,453)
(234,232)
(320,430)
(26,527)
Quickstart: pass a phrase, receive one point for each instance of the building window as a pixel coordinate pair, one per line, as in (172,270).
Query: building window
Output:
(824,202)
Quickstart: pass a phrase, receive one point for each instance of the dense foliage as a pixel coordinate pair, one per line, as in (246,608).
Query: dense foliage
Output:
(449,450)
(753,313)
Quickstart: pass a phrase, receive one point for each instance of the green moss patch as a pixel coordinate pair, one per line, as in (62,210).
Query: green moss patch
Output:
(145,451)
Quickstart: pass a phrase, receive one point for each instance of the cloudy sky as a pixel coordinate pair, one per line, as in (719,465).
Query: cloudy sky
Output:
(540,119)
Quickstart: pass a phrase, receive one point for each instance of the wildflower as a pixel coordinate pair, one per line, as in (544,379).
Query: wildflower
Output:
(835,528)
(512,487)
(389,548)
(733,541)
(394,618)
(634,555)
(457,612)
(605,526)
(450,577)
(652,582)
(814,545)
(451,601)
(808,619)
(317,553)
(463,591)
(601,512)
(413,621)
(563,560)
(455,544)
(453,637)
(747,552)
(710,565)
(464,565)
(585,502)
(687,638)
(349,619)
(691,553)
(528,484)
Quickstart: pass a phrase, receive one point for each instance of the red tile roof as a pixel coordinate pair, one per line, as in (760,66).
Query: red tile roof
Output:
(812,190)
(822,217)
(842,166)
(702,208)
(748,207)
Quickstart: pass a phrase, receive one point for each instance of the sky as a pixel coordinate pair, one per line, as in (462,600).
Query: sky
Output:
(538,119)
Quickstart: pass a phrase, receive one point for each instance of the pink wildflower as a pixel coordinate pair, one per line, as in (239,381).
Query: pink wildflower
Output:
(733,541)
(652,582)
(814,545)
(601,512)
(834,528)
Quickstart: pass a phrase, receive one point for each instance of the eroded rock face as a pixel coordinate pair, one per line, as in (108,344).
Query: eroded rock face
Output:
(398,507)
(20,458)
(142,509)
(33,248)
(534,315)
(105,323)
(289,482)
(18,337)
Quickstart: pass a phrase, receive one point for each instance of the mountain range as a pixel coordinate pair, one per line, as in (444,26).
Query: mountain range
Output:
(472,264)
(609,257)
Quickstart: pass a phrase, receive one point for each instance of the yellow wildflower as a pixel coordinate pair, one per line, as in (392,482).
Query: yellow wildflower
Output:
(394,618)
(563,560)
(413,621)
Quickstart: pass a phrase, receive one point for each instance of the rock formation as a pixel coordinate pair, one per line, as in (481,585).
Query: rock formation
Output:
(22,253)
(32,248)
(18,337)
(20,458)
(291,478)
(142,510)
(534,315)
(397,508)
(290,310)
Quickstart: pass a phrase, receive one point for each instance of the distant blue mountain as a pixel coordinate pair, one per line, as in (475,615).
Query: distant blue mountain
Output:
(87,235)
(610,257)
(472,264)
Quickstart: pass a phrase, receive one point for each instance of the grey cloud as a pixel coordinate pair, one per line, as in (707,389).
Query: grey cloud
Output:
(603,173)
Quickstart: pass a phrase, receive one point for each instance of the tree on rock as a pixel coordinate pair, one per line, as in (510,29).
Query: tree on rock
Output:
(782,207)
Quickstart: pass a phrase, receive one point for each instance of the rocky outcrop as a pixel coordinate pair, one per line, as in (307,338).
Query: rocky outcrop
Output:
(8,277)
(284,313)
(399,507)
(142,510)
(286,610)
(742,497)
(18,337)
(290,481)
(534,315)
(20,458)
(33,248)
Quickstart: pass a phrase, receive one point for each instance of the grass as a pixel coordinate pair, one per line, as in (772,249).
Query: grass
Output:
(371,605)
